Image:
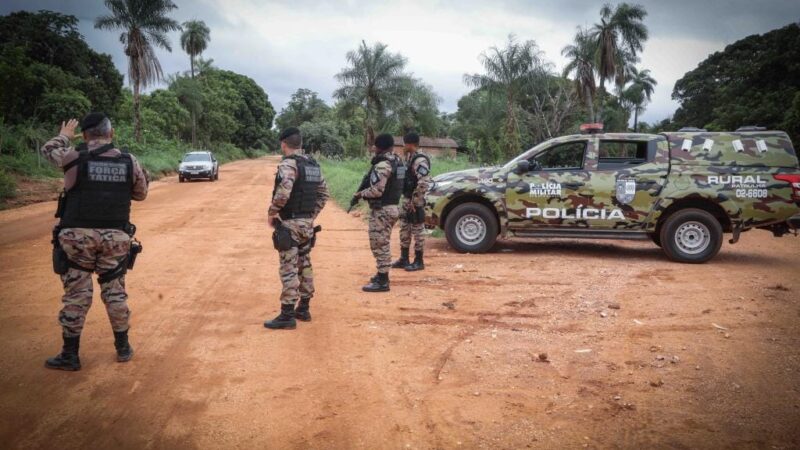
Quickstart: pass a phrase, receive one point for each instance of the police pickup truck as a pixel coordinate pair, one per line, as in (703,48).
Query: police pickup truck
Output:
(682,190)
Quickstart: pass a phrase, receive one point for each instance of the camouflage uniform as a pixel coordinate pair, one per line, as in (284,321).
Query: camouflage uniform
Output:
(96,249)
(297,276)
(408,230)
(381,219)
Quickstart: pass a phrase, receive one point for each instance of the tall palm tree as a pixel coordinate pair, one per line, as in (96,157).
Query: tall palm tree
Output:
(373,78)
(620,34)
(144,23)
(581,56)
(194,40)
(508,70)
(639,92)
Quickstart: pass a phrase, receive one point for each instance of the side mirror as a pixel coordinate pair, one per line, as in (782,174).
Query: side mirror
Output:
(522,167)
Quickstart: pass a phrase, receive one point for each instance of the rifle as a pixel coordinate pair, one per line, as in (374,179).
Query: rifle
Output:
(364,184)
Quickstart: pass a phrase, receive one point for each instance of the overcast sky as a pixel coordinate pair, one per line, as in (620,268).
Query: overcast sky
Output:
(286,45)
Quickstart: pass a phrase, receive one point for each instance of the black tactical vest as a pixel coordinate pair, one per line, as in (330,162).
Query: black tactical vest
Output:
(101,196)
(303,199)
(411,177)
(394,185)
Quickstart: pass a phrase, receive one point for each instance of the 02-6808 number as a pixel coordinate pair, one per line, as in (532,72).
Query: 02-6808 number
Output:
(751,193)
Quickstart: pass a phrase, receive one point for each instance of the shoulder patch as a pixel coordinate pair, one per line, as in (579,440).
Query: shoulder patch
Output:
(374,178)
(422,170)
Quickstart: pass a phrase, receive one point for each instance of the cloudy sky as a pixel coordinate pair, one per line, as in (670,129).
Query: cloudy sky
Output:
(286,45)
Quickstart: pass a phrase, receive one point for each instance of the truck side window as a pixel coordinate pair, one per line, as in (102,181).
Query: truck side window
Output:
(561,157)
(621,154)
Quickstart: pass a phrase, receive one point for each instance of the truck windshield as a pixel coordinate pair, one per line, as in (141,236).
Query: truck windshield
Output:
(194,157)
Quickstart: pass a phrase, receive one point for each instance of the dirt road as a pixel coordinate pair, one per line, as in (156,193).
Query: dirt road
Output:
(641,352)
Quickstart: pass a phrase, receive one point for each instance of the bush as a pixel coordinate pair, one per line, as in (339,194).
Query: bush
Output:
(8,187)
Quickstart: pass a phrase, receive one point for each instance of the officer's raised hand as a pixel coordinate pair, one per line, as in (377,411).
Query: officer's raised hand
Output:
(68,128)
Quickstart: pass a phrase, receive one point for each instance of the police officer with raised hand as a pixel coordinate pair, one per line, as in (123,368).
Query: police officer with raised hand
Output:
(383,193)
(300,194)
(94,234)
(412,217)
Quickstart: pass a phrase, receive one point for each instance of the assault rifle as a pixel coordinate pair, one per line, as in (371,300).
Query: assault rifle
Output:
(364,184)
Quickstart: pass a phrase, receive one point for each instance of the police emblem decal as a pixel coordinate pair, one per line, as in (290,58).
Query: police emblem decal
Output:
(626,190)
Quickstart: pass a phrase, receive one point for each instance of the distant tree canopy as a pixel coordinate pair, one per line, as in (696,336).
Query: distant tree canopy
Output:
(754,81)
(48,71)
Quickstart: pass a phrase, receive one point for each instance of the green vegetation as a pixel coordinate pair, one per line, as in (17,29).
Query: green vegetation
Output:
(344,176)
(49,74)
(754,81)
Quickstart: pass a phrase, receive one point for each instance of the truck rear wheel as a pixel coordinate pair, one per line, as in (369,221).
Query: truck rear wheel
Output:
(691,236)
(471,228)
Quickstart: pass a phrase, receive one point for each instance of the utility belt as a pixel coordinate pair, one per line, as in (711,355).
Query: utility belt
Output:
(282,239)
(62,263)
(295,215)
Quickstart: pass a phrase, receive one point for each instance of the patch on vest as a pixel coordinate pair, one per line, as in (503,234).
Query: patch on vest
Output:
(401,172)
(313,174)
(107,172)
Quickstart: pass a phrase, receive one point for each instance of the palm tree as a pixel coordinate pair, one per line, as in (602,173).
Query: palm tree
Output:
(581,56)
(618,37)
(144,23)
(194,40)
(639,92)
(373,78)
(508,70)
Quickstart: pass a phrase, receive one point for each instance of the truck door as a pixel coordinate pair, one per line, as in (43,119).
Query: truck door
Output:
(547,195)
(625,181)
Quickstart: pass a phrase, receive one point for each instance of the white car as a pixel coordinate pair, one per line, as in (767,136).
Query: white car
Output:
(198,165)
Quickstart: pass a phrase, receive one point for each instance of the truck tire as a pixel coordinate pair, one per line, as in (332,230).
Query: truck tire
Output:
(471,228)
(180,179)
(691,236)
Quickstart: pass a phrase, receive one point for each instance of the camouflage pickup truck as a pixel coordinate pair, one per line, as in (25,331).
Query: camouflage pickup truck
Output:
(682,190)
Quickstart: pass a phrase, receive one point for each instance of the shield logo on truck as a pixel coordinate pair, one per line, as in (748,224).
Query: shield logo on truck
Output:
(626,190)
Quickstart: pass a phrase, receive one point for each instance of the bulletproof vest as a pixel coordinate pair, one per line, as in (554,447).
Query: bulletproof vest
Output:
(303,199)
(394,185)
(101,196)
(411,176)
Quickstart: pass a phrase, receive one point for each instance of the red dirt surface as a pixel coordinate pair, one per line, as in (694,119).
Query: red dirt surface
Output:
(640,352)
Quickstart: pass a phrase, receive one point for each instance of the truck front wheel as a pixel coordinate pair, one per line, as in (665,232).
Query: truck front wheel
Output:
(691,236)
(471,228)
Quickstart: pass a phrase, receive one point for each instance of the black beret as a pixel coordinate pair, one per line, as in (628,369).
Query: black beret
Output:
(384,141)
(291,131)
(92,120)
(411,138)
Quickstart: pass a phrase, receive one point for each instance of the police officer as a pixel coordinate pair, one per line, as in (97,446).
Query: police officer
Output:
(412,218)
(95,234)
(383,193)
(300,194)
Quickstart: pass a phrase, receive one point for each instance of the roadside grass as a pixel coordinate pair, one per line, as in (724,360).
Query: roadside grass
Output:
(344,176)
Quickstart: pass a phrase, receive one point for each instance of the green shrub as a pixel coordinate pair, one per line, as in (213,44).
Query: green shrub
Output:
(8,187)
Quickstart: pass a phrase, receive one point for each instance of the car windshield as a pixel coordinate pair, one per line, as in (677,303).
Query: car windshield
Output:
(194,157)
(525,155)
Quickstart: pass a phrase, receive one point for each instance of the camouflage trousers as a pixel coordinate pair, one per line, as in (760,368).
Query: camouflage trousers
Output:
(381,222)
(410,230)
(98,250)
(297,275)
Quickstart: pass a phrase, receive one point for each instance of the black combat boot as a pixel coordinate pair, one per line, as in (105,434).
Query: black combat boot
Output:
(302,313)
(124,349)
(68,358)
(378,283)
(403,261)
(284,321)
(418,263)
